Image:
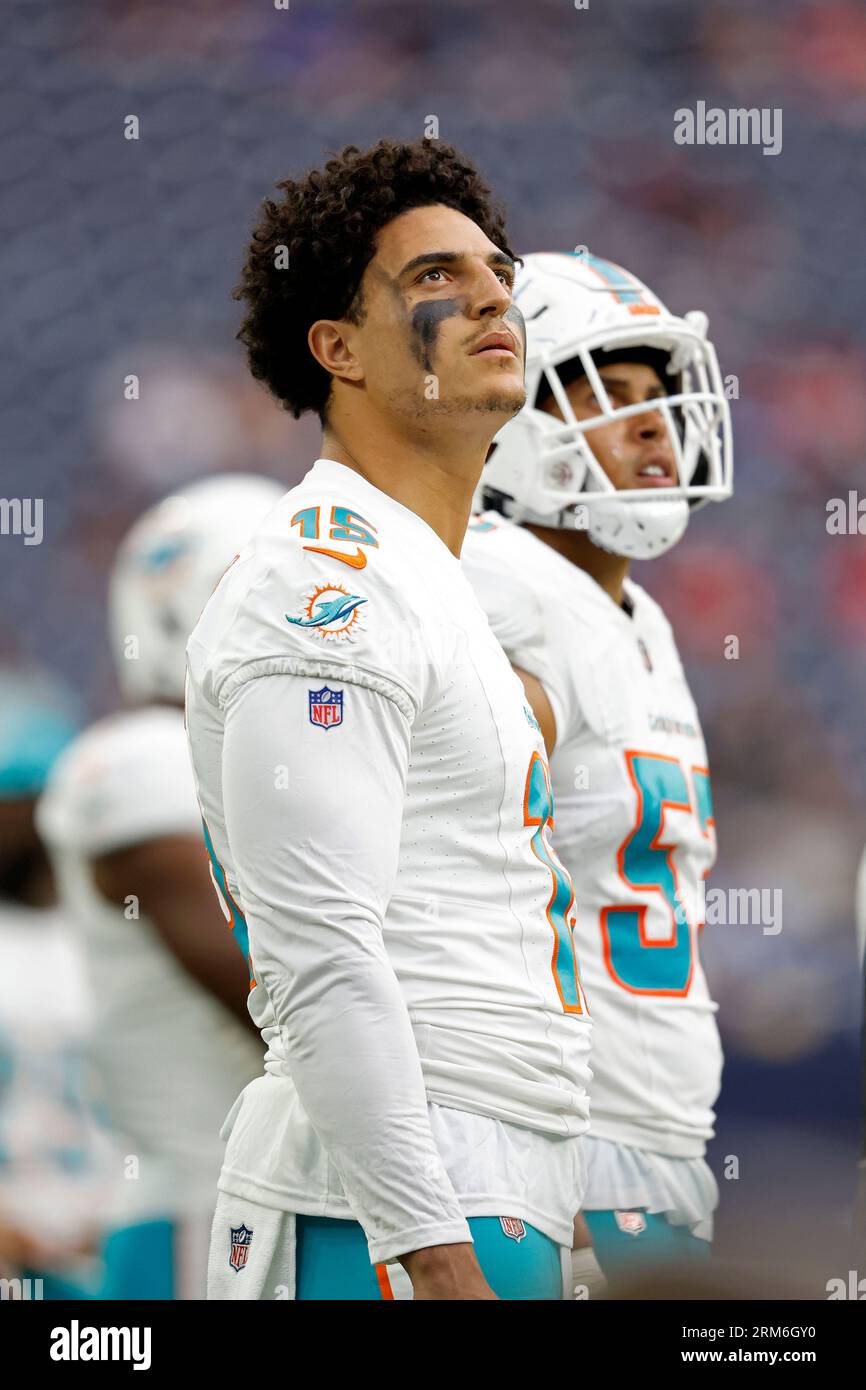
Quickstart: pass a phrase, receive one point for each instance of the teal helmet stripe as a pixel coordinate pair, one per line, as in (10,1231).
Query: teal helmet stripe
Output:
(615,276)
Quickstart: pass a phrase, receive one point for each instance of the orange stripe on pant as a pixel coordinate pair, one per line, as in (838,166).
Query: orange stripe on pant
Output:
(384,1282)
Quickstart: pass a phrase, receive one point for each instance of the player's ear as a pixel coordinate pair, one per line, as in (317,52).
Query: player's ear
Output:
(329,342)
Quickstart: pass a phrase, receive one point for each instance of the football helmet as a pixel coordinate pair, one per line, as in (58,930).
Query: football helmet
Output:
(588,312)
(166,569)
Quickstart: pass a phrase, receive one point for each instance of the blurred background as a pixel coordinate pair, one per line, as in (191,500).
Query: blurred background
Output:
(118,256)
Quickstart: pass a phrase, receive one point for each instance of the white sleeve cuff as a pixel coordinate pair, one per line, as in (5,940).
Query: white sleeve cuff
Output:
(388,1250)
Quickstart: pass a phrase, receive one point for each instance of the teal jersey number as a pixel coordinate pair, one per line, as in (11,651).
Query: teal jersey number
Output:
(538,811)
(238,921)
(345,526)
(645,862)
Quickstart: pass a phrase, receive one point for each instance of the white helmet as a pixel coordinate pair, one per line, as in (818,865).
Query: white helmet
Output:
(542,469)
(166,570)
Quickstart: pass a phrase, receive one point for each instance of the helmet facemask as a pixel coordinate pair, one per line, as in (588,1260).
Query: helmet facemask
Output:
(568,488)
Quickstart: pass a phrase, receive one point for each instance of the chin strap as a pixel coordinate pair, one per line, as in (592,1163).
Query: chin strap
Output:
(492,500)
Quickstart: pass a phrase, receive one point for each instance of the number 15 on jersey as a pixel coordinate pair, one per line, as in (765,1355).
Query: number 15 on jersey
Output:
(538,812)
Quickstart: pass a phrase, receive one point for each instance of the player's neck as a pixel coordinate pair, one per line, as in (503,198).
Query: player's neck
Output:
(432,475)
(608,571)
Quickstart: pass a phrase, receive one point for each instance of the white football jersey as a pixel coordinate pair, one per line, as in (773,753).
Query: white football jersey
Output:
(354,593)
(171,1057)
(55,1160)
(634,827)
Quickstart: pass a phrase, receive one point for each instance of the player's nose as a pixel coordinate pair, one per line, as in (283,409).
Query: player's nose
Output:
(490,295)
(649,424)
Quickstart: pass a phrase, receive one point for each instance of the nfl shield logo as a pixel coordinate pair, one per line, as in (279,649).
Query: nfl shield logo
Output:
(513,1227)
(631,1223)
(326,708)
(241,1239)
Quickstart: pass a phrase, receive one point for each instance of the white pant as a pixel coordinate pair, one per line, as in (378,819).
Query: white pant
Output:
(253,1250)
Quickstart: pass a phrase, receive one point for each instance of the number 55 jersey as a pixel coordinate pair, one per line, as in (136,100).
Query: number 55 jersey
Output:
(634,827)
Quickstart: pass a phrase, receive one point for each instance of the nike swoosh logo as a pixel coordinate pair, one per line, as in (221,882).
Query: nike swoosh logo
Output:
(356,561)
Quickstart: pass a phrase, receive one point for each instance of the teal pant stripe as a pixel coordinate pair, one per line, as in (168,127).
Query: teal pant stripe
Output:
(529,1269)
(622,1255)
(333,1262)
(139,1262)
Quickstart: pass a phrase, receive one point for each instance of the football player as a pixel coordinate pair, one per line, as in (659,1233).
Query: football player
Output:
(374,785)
(173,1038)
(625,432)
(54,1158)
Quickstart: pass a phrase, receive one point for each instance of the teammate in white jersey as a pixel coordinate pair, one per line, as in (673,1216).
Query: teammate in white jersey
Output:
(173,1039)
(54,1157)
(625,429)
(374,785)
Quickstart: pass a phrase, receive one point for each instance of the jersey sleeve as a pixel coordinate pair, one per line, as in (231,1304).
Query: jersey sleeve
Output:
(519,619)
(287,609)
(123,783)
(315,852)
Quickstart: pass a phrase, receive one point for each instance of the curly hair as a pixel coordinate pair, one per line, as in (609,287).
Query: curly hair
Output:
(328,221)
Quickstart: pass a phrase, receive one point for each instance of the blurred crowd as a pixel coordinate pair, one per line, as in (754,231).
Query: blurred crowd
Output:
(118,256)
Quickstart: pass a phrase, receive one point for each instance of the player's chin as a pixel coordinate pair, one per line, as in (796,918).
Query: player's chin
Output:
(504,389)
(506,397)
